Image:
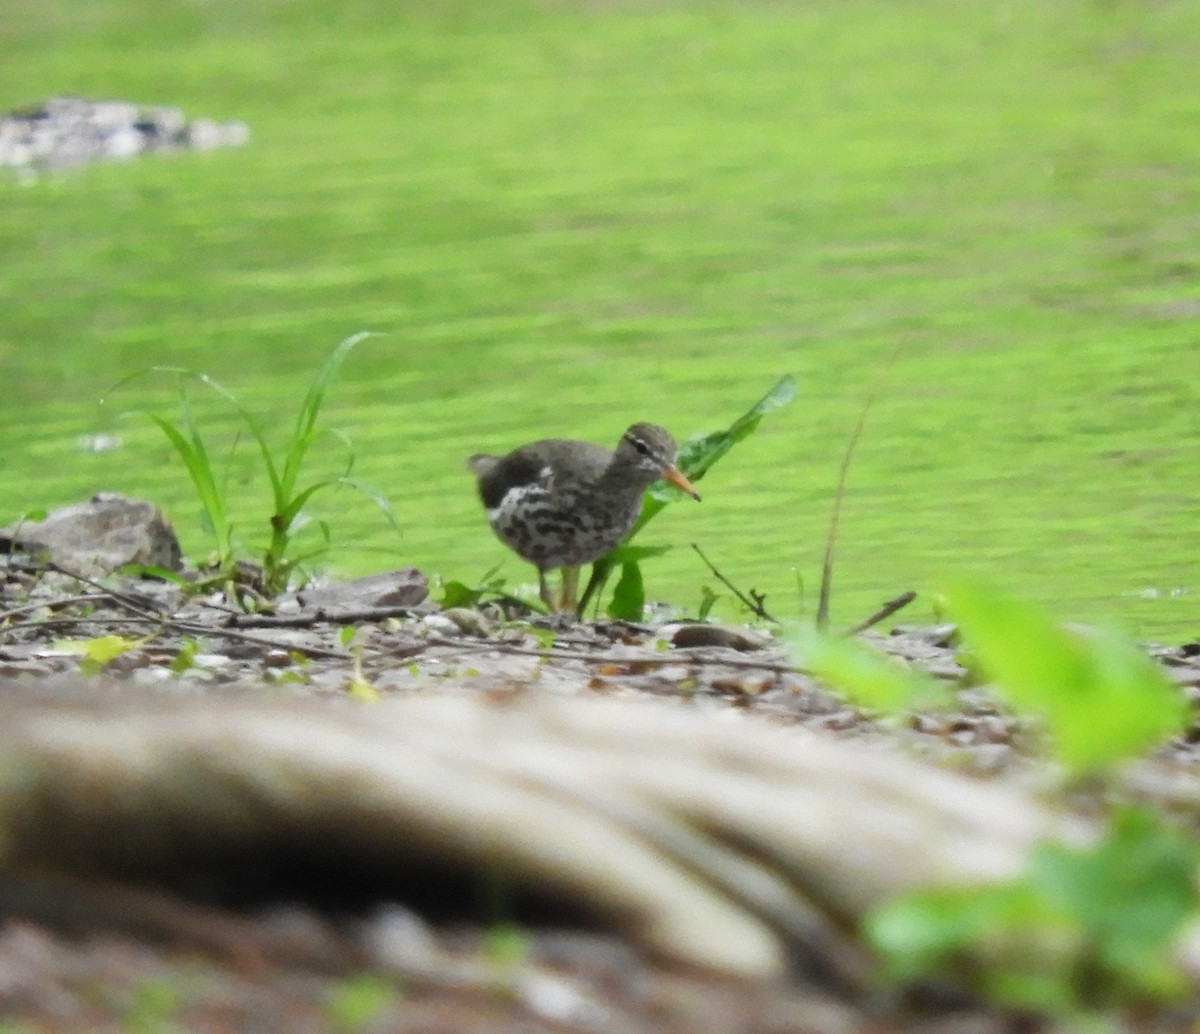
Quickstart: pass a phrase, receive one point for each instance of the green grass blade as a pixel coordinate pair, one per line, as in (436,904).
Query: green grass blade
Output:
(313,400)
(195,461)
(255,428)
(628,553)
(297,502)
(781,393)
(284,518)
(377,497)
(310,409)
(286,502)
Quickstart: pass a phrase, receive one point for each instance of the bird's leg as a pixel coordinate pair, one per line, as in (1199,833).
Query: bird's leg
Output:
(544,592)
(569,603)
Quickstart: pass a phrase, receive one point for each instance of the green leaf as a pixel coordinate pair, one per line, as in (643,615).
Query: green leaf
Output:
(185,658)
(1002,940)
(96,653)
(1132,893)
(544,637)
(920,933)
(1082,929)
(194,456)
(783,392)
(154,571)
(457,594)
(151,1005)
(310,409)
(1101,698)
(284,518)
(628,601)
(700,452)
(378,498)
(631,554)
(867,677)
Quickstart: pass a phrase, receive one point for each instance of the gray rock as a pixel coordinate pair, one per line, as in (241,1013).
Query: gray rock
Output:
(65,132)
(405,587)
(98,537)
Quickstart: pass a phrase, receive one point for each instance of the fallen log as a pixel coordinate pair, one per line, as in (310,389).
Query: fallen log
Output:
(713,840)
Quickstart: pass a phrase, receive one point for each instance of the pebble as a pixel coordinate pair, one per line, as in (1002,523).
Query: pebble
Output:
(697,634)
(440,624)
(468,622)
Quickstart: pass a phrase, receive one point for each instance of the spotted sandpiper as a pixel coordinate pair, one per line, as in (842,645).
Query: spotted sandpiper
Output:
(563,503)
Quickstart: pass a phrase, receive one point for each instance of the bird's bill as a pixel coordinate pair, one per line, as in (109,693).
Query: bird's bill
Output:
(673,475)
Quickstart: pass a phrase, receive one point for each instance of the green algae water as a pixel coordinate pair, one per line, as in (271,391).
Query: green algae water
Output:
(562,220)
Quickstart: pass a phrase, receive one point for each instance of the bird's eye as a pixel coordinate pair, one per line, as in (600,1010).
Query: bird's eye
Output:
(640,445)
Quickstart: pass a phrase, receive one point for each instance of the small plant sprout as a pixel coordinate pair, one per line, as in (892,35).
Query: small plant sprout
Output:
(1084,929)
(355,1004)
(506,947)
(358,685)
(288,494)
(96,654)
(490,586)
(185,658)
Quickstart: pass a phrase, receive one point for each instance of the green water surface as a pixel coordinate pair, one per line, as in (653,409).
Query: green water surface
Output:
(565,217)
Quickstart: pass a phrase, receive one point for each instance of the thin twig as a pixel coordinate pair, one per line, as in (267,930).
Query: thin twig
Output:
(883,613)
(64,601)
(755,604)
(183,627)
(198,628)
(672,657)
(835,517)
(67,621)
(128,602)
(317,616)
(164,620)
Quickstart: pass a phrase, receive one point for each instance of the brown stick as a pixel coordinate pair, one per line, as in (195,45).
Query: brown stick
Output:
(883,613)
(755,604)
(670,657)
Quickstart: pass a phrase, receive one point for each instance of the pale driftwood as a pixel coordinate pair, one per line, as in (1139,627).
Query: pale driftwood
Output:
(717,840)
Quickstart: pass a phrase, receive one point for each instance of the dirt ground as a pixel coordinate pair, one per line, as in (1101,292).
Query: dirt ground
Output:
(104,957)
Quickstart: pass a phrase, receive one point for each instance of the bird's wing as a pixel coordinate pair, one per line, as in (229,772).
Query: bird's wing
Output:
(517,470)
